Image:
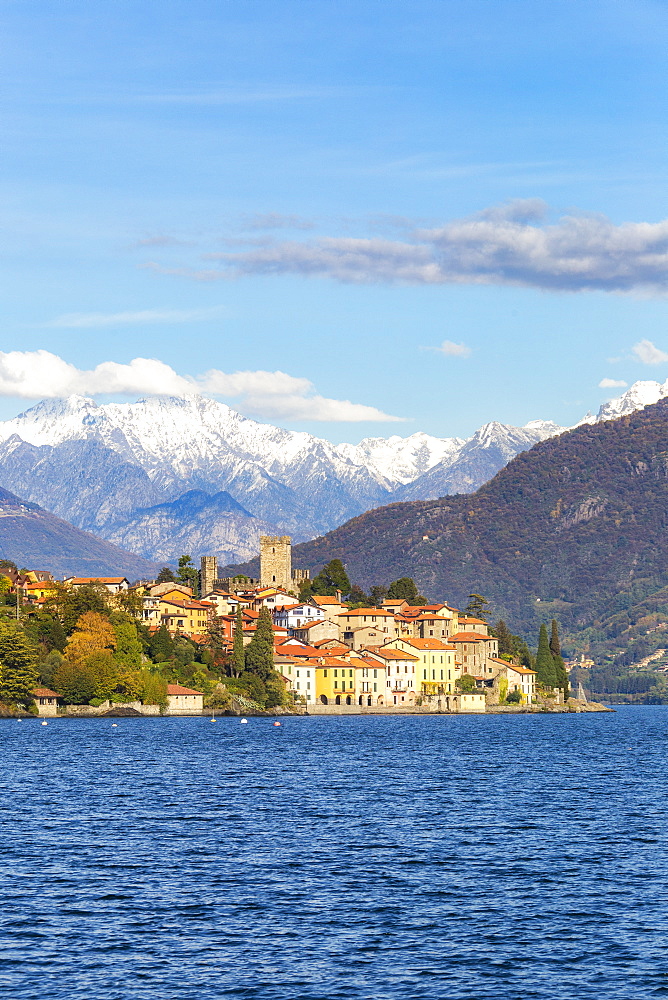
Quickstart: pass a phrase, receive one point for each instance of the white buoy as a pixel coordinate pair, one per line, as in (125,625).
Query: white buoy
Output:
(243,720)
(45,723)
(114,725)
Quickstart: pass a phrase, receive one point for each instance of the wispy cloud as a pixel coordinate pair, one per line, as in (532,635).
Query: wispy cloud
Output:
(276,395)
(450,349)
(649,353)
(139,317)
(276,220)
(511,244)
(242,95)
(612,383)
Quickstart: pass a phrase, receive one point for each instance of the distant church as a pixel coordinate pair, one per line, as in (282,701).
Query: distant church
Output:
(275,567)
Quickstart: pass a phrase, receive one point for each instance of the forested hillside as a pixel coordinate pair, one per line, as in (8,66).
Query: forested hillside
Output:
(574,529)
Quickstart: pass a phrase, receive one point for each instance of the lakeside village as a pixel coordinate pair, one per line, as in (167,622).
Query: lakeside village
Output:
(283,643)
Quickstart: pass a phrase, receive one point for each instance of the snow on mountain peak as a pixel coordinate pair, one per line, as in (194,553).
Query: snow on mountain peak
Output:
(640,394)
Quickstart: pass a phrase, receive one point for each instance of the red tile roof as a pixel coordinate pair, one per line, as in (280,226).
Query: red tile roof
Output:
(178,689)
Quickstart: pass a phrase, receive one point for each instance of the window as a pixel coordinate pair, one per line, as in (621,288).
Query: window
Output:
(324,673)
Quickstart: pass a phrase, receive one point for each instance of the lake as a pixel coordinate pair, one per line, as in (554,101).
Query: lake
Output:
(407,858)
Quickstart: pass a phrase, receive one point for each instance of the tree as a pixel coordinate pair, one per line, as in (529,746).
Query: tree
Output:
(131,602)
(477,607)
(545,669)
(405,589)
(165,576)
(254,687)
(93,633)
(238,658)
(505,638)
(357,597)
(260,650)
(161,645)
(18,669)
(128,646)
(153,689)
(332,577)
(561,673)
(75,682)
(378,595)
(47,630)
(188,575)
(465,683)
(69,604)
(305,590)
(275,688)
(104,672)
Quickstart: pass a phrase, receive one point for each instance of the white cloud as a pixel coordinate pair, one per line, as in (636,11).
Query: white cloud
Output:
(40,374)
(141,316)
(612,383)
(511,244)
(450,349)
(649,353)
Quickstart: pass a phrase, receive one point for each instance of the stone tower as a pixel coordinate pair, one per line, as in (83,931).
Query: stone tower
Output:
(208,574)
(276,561)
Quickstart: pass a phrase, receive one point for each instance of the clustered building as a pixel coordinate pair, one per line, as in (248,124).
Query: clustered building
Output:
(394,656)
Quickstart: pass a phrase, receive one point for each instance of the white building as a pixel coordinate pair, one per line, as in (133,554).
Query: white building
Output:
(298,615)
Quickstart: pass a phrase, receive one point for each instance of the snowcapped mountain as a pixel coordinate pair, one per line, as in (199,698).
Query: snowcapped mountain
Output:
(167,475)
(640,394)
(490,448)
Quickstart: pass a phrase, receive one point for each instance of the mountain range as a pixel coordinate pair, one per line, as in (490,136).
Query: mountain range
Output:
(168,475)
(575,528)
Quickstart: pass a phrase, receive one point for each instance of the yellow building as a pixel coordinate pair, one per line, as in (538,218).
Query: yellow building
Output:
(191,617)
(435,671)
(335,681)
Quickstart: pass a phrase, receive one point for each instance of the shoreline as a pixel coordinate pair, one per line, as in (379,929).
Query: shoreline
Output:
(322,712)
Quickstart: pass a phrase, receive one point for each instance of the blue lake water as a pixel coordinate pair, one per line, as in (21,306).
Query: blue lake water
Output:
(359,857)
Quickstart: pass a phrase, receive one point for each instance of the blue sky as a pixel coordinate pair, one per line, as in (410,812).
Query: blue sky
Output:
(444,212)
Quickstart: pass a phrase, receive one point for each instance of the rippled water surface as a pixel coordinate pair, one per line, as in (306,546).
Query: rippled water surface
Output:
(359,857)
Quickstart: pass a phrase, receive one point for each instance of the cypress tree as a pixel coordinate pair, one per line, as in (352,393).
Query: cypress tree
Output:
(260,650)
(504,638)
(560,671)
(545,668)
(238,659)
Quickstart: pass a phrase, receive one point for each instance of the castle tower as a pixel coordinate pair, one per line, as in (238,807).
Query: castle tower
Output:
(276,561)
(208,574)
